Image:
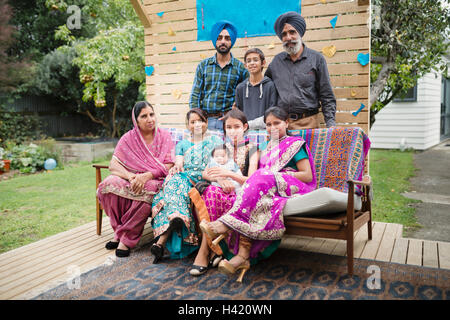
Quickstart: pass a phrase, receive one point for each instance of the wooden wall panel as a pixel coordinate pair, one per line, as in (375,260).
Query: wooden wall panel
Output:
(175,57)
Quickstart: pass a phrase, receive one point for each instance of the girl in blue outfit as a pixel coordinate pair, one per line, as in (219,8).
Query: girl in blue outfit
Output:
(171,207)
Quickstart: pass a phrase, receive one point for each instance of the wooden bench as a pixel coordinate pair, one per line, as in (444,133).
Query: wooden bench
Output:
(339,157)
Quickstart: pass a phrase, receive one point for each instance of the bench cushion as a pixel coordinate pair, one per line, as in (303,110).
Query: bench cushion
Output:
(339,153)
(319,202)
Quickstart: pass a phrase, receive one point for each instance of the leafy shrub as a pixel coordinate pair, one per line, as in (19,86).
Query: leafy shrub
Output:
(31,158)
(17,127)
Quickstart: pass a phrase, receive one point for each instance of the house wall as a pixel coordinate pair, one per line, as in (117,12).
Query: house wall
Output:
(418,122)
(169,86)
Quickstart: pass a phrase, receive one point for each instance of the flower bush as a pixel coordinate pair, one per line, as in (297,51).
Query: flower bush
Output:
(31,158)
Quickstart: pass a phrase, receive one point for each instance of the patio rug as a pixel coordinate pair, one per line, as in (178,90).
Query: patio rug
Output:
(287,274)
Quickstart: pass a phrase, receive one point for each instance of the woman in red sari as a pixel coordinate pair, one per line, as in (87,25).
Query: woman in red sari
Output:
(141,161)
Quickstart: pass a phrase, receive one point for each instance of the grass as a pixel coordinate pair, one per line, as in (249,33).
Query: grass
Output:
(36,206)
(390,171)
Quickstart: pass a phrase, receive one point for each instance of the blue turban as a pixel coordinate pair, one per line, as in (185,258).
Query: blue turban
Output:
(217,29)
(294,19)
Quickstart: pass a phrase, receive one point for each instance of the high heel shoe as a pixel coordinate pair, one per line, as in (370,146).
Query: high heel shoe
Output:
(157,251)
(217,237)
(227,268)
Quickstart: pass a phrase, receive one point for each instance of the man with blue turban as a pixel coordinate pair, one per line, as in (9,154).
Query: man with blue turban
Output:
(217,77)
(301,76)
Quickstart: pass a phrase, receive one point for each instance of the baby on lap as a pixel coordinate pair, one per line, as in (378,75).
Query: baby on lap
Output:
(221,158)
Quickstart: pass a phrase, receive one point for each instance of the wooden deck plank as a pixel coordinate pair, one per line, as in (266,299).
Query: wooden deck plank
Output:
(430,254)
(415,252)
(314,245)
(391,232)
(371,248)
(400,251)
(328,246)
(288,242)
(17,280)
(27,258)
(360,241)
(36,275)
(69,235)
(302,242)
(444,255)
(341,246)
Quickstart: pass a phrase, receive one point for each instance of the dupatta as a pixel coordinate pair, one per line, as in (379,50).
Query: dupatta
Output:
(258,210)
(135,155)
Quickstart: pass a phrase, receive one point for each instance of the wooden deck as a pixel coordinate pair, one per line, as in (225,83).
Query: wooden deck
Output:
(29,270)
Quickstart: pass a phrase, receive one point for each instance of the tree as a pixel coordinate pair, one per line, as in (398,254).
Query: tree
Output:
(111,61)
(409,39)
(13,71)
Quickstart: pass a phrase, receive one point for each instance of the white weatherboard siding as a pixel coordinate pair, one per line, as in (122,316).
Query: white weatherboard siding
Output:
(418,122)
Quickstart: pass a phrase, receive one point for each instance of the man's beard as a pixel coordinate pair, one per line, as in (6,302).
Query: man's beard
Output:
(292,50)
(223,49)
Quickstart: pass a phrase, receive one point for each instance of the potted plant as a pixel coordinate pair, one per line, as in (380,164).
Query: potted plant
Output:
(4,163)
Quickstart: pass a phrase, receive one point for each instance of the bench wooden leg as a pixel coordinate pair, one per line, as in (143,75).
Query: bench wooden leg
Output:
(99,218)
(350,255)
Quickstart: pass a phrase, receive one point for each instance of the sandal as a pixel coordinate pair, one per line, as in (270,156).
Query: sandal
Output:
(197,270)
(215,260)
(226,267)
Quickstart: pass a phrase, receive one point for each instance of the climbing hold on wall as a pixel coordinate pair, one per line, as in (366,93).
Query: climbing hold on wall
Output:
(333,21)
(149,70)
(329,51)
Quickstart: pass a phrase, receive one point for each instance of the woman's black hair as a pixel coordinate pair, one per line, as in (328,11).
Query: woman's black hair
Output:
(139,106)
(199,112)
(278,113)
(235,113)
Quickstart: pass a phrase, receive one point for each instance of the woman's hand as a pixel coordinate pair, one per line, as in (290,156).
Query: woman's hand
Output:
(217,173)
(178,166)
(227,185)
(138,182)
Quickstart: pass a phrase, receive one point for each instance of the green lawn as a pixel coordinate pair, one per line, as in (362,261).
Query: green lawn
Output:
(390,171)
(36,206)
(33,207)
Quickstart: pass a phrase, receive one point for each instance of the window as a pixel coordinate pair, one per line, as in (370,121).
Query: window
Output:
(410,95)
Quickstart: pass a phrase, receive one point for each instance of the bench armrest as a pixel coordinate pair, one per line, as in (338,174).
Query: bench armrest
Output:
(365,198)
(98,173)
(366,181)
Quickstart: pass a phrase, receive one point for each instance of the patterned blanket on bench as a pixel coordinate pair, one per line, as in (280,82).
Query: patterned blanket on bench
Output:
(339,153)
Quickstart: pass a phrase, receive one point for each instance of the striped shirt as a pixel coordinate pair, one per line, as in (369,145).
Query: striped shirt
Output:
(214,87)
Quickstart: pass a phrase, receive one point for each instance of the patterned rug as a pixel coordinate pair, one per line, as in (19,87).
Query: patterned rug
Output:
(286,275)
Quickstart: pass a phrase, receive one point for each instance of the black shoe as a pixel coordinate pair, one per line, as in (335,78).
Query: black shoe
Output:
(176,224)
(197,270)
(157,251)
(122,253)
(215,260)
(110,245)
